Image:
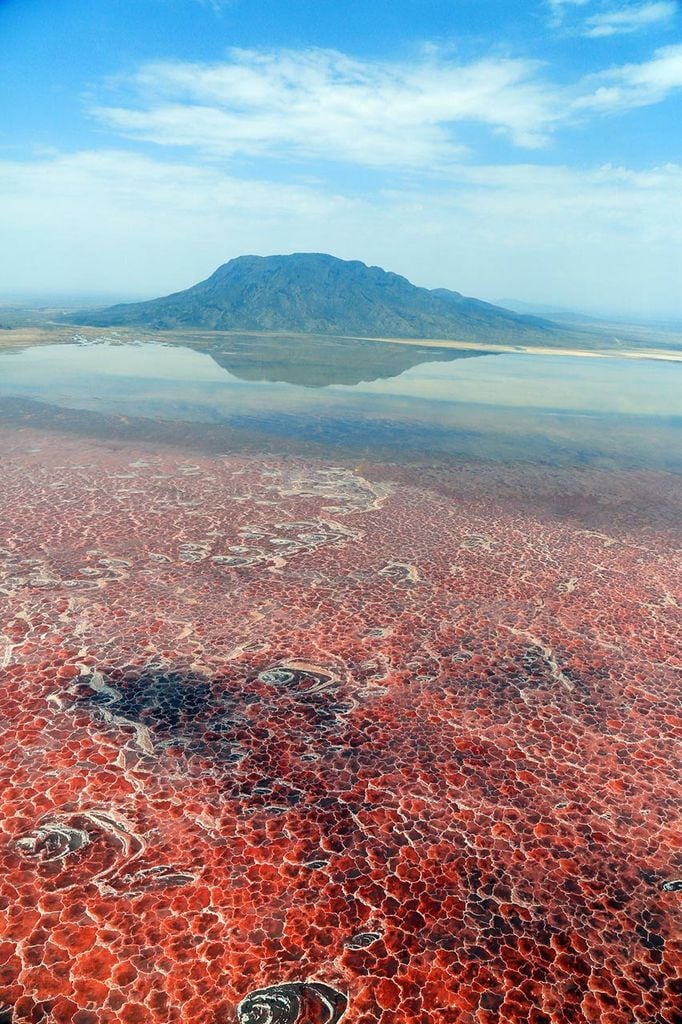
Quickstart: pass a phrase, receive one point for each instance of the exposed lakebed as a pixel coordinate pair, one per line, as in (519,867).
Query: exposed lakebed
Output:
(295,736)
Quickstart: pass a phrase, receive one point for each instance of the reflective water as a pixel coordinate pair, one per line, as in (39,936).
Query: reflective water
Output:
(513,405)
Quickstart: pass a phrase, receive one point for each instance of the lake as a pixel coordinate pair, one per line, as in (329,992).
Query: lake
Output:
(338,684)
(562,409)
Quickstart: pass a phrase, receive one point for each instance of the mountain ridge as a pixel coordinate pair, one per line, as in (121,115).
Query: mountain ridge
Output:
(315,293)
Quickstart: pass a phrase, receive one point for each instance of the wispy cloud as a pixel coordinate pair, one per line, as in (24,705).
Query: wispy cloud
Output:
(216,5)
(635,85)
(320,104)
(601,18)
(622,20)
(558,9)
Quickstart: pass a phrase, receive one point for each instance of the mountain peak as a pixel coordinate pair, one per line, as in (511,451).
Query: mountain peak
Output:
(316,293)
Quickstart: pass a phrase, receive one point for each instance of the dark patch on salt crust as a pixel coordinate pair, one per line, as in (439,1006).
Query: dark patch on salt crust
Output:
(233,722)
(164,701)
(178,707)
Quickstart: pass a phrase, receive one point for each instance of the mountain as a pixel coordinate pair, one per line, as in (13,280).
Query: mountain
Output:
(319,294)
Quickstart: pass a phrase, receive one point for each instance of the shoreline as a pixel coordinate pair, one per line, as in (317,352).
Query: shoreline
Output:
(27,337)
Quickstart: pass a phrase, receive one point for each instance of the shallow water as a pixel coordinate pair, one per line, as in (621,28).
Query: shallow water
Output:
(296,736)
(561,408)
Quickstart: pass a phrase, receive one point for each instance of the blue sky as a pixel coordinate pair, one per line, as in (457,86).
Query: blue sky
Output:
(528,149)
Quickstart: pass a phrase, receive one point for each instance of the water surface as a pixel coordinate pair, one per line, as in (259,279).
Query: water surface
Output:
(512,405)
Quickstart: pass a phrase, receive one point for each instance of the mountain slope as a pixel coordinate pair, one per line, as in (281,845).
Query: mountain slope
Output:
(320,294)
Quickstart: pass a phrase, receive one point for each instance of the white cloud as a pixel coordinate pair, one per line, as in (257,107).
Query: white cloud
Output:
(320,104)
(560,8)
(609,18)
(121,222)
(630,18)
(635,85)
(115,220)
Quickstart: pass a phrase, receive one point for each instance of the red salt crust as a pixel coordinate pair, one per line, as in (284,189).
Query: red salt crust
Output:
(406,733)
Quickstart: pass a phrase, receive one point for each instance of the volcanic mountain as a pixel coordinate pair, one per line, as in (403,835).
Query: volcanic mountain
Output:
(313,293)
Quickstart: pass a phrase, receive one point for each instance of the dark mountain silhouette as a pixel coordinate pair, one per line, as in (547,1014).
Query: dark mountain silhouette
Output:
(319,294)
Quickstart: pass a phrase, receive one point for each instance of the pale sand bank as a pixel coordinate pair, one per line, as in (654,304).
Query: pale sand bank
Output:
(23,337)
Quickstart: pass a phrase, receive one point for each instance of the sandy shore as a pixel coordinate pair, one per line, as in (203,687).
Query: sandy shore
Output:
(537,349)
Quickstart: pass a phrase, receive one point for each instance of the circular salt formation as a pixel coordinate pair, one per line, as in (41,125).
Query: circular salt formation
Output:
(108,849)
(277,676)
(51,841)
(101,843)
(301,675)
(362,940)
(293,1003)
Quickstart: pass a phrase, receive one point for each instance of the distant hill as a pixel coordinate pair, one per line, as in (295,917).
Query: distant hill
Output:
(554,313)
(319,294)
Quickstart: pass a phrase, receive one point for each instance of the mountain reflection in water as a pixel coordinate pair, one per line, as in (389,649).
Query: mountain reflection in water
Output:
(366,397)
(320,361)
